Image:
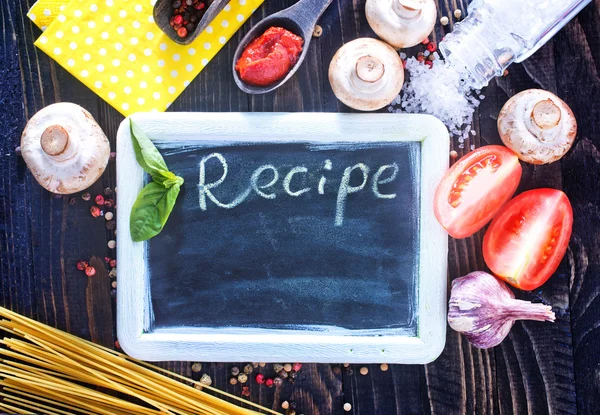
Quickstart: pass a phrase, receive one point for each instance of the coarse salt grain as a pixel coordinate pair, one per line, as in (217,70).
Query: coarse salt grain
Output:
(440,91)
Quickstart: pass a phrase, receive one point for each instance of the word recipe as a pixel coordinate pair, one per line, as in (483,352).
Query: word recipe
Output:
(265,178)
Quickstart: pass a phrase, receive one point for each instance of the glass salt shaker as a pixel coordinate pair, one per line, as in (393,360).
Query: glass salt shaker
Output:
(498,32)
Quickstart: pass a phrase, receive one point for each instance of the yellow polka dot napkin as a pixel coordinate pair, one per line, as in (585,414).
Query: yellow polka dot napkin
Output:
(115,48)
(43,12)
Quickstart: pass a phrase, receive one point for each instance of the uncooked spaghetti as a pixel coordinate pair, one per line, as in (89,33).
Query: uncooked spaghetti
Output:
(45,370)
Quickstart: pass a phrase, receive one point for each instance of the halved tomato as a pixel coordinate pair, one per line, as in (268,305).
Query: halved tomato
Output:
(529,237)
(474,189)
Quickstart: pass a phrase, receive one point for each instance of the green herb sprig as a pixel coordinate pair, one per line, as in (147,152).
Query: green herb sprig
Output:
(156,200)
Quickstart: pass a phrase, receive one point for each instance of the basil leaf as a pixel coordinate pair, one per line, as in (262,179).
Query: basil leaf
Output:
(146,153)
(151,210)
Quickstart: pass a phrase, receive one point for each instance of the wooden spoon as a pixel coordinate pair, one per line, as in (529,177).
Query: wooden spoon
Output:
(163,11)
(299,19)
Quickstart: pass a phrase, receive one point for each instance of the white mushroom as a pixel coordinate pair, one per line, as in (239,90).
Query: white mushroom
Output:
(64,148)
(366,74)
(538,126)
(401,23)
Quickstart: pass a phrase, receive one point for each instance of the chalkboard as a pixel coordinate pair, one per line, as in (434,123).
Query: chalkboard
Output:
(308,236)
(288,258)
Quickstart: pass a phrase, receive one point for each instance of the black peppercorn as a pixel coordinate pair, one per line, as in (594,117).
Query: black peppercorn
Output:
(72,201)
(293,404)
(111,225)
(176,4)
(193,18)
(190,27)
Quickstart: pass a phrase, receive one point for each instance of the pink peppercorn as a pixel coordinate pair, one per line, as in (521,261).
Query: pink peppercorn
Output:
(296,367)
(431,47)
(425,41)
(90,271)
(109,203)
(429,63)
(113,263)
(95,211)
(246,391)
(99,200)
(82,265)
(260,379)
(182,32)
(269,383)
(178,19)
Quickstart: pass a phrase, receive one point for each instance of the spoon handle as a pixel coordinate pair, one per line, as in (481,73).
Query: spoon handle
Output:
(307,12)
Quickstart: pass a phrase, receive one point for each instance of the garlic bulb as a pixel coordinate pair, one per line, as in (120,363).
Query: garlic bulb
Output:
(484,309)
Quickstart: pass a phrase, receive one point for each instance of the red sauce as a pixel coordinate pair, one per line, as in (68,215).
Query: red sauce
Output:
(269,57)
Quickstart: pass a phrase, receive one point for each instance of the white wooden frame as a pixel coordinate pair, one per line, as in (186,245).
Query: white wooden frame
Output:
(134,315)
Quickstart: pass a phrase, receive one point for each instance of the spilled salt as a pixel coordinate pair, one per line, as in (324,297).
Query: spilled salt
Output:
(441,91)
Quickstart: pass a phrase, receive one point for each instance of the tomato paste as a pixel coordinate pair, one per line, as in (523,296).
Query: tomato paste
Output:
(269,57)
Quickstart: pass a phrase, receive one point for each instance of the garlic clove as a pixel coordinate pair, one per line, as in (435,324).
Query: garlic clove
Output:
(484,309)
(366,74)
(401,23)
(538,126)
(64,148)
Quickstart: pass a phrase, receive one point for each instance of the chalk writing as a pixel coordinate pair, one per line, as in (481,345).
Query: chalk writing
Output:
(205,189)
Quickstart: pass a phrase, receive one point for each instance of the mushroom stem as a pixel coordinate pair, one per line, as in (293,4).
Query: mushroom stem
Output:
(546,114)
(55,143)
(408,9)
(369,69)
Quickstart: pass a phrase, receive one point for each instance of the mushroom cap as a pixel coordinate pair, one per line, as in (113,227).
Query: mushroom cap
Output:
(538,126)
(366,74)
(401,23)
(64,148)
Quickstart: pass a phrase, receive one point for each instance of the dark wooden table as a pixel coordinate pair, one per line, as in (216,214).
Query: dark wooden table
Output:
(540,368)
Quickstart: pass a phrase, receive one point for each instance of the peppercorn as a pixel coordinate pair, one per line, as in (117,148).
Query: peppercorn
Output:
(431,47)
(235,371)
(444,20)
(57,196)
(347,407)
(99,200)
(254,365)
(193,18)
(425,41)
(86,196)
(246,391)
(196,367)
(291,412)
(248,369)
(90,271)
(113,263)
(190,27)
(108,216)
(233,381)
(82,265)
(349,372)
(176,4)
(117,345)
(505,73)
(112,244)
(178,19)
(269,383)
(318,31)
(72,201)
(242,378)
(336,370)
(95,211)
(277,381)
(113,273)
(189,2)
(346,364)
(287,367)
(111,224)
(285,405)
(113,284)
(429,63)
(457,13)
(107,191)
(277,367)
(364,370)
(113,293)
(453,154)
(182,32)
(199,6)
(283,374)
(296,367)
(206,380)
(384,367)
(260,378)
(113,155)
(262,364)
